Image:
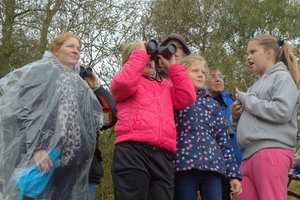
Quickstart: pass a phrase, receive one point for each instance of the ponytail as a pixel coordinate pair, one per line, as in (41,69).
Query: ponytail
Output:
(287,57)
(283,52)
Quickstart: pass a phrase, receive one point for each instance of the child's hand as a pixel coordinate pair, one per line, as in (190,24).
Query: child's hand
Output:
(235,187)
(142,46)
(167,62)
(237,91)
(236,109)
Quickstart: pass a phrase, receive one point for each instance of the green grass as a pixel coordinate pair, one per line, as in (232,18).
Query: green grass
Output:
(105,188)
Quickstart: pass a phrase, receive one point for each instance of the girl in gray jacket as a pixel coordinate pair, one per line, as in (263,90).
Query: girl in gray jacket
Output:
(266,119)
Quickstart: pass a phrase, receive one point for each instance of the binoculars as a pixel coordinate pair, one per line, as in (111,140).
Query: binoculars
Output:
(166,51)
(85,71)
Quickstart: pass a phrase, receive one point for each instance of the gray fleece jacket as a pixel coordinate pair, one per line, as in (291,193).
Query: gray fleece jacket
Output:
(269,118)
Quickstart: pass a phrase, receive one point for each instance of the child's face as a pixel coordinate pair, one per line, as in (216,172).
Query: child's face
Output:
(297,158)
(149,69)
(257,57)
(196,72)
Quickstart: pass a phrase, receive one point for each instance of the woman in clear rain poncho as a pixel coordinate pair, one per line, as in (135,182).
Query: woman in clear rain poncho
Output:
(49,117)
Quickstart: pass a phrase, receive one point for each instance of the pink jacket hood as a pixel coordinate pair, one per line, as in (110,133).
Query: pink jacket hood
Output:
(146,108)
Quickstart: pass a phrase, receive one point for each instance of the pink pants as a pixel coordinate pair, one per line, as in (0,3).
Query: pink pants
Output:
(265,175)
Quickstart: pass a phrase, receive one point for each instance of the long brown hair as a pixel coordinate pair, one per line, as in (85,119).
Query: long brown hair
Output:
(282,52)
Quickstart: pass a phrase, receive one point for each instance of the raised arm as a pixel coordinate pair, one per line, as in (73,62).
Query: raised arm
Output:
(124,83)
(183,91)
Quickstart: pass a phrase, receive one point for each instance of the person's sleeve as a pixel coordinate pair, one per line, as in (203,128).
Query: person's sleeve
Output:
(223,140)
(125,82)
(108,106)
(277,110)
(183,91)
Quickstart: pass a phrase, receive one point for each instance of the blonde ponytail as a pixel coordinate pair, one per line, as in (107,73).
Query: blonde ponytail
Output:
(287,57)
(283,52)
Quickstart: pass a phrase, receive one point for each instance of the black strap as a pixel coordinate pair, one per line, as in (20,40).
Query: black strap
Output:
(157,75)
(293,194)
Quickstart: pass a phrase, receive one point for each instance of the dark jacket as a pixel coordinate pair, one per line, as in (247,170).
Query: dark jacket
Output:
(203,141)
(226,100)
(110,117)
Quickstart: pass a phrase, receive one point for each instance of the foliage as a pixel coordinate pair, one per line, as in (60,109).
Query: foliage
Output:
(220,30)
(105,189)
(27,26)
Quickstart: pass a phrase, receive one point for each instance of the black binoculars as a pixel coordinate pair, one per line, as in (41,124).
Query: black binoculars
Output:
(166,51)
(85,71)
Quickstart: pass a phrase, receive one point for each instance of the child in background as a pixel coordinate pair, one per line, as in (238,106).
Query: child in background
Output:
(267,122)
(204,153)
(294,179)
(142,165)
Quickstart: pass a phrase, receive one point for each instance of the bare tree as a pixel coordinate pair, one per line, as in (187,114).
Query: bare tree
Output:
(103,26)
(8,16)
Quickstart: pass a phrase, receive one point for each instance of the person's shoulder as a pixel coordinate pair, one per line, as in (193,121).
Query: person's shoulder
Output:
(278,72)
(213,102)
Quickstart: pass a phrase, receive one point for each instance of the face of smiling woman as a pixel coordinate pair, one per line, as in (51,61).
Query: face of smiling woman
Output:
(69,52)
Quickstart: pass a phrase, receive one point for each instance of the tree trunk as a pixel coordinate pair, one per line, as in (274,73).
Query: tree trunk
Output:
(7,29)
(46,24)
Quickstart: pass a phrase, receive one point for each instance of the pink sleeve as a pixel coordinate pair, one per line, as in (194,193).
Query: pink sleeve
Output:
(183,91)
(125,82)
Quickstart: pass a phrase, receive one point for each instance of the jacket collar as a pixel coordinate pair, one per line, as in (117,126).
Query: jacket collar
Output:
(226,98)
(202,92)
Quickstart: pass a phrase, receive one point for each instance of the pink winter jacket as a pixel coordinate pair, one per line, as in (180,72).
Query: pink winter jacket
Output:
(146,108)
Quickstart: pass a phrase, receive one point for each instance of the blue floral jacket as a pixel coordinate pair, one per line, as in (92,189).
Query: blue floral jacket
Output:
(203,142)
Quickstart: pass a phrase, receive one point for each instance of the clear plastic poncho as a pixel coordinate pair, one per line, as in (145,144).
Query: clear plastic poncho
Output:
(49,107)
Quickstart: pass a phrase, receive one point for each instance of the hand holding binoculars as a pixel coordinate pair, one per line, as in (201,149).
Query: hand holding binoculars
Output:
(85,71)
(166,51)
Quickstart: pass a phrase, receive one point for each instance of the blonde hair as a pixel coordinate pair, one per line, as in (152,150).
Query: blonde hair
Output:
(188,60)
(127,50)
(282,52)
(60,39)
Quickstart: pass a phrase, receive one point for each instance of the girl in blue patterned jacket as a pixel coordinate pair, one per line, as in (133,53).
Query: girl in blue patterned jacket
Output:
(204,153)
